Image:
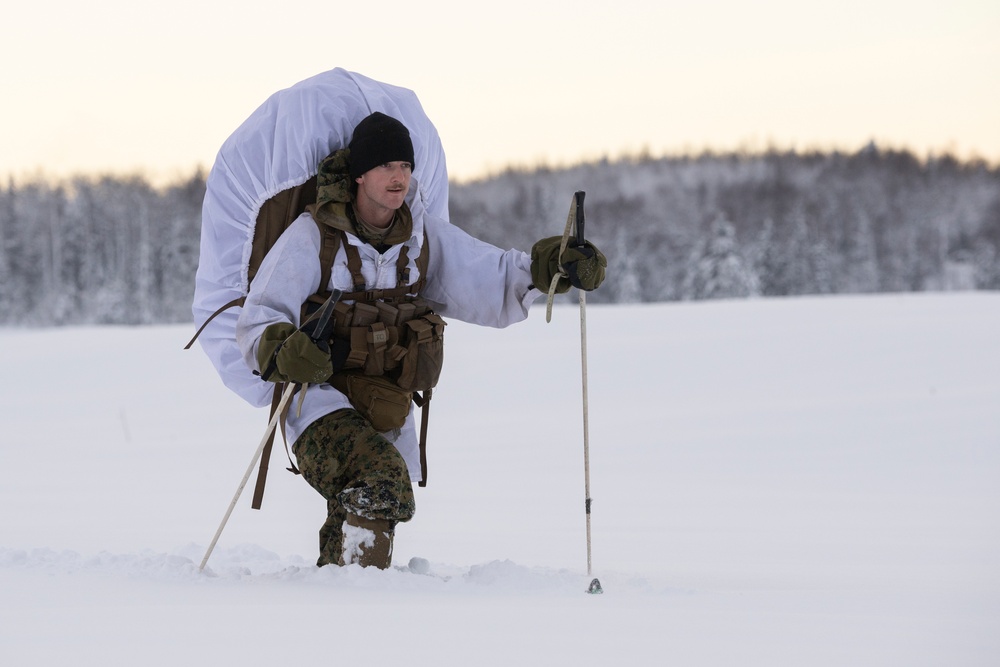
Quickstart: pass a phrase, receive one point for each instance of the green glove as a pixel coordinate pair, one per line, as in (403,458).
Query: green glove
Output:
(285,354)
(584,265)
(545,265)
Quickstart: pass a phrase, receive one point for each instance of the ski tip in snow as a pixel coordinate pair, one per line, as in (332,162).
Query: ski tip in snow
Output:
(595,587)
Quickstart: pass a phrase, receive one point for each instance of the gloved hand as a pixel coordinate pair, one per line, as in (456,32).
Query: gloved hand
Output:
(584,265)
(285,354)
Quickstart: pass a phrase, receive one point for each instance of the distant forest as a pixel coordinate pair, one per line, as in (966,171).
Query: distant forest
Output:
(114,250)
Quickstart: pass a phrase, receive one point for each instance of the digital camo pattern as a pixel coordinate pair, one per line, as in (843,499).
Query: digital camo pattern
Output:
(358,471)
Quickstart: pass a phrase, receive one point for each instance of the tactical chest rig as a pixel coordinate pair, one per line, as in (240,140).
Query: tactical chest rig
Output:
(387,345)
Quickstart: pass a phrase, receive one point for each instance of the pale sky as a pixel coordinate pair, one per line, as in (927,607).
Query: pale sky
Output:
(126,85)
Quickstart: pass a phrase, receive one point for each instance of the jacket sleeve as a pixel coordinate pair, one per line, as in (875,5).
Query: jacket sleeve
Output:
(475,282)
(287,277)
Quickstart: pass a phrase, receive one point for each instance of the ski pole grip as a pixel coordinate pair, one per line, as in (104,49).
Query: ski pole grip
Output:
(579,195)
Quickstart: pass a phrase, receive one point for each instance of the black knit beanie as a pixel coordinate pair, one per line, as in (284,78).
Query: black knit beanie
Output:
(378,139)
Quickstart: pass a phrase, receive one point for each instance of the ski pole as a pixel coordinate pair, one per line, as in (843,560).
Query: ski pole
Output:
(595,585)
(285,397)
(575,222)
(586,421)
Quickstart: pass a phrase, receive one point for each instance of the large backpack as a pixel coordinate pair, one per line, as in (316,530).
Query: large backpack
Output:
(265,176)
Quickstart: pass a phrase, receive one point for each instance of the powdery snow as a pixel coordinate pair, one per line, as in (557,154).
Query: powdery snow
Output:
(775,482)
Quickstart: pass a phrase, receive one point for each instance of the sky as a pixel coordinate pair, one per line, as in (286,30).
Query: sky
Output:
(129,86)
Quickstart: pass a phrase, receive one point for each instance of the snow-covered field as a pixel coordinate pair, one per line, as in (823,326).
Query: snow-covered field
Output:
(775,482)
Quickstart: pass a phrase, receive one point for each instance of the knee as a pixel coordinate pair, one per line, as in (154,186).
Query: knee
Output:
(382,496)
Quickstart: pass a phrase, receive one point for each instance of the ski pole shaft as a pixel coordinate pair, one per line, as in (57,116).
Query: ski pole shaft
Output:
(575,223)
(285,397)
(580,220)
(586,420)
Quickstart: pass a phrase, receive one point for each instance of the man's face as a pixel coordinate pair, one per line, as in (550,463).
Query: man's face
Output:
(385,186)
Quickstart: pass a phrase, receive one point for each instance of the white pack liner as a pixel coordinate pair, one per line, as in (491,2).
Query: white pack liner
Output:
(279,146)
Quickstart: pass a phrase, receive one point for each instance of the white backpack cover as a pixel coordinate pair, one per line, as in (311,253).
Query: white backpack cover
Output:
(278,147)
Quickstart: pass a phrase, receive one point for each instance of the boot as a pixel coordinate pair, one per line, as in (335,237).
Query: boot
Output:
(367,542)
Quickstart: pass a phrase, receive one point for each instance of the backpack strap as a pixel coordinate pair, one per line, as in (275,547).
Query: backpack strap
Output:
(354,266)
(265,457)
(403,267)
(235,302)
(423,402)
(329,244)
(327,254)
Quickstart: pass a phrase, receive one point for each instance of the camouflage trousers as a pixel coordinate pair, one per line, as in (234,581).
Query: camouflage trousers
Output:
(357,470)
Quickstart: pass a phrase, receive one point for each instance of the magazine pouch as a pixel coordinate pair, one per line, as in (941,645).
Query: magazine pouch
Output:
(420,367)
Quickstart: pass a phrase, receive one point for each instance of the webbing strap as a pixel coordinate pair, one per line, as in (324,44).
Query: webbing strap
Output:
(327,254)
(239,301)
(424,402)
(354,266)
(265,457)
(403,267)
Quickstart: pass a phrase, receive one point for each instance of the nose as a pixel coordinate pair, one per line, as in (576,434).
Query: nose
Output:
(399,174)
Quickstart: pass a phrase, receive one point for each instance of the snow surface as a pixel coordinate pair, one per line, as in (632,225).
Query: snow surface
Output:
(776,482)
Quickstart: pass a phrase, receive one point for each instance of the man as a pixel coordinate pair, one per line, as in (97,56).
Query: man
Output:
(361,459)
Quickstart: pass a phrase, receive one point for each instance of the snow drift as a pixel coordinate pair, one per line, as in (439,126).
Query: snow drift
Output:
(775,482)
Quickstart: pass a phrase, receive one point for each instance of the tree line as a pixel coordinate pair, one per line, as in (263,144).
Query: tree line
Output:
(116,250)
(769,224)
(98,250)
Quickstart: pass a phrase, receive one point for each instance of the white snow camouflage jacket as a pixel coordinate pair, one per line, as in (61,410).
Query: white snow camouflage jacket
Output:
(467,279)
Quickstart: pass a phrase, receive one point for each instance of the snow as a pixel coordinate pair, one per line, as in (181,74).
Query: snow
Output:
(810,481)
